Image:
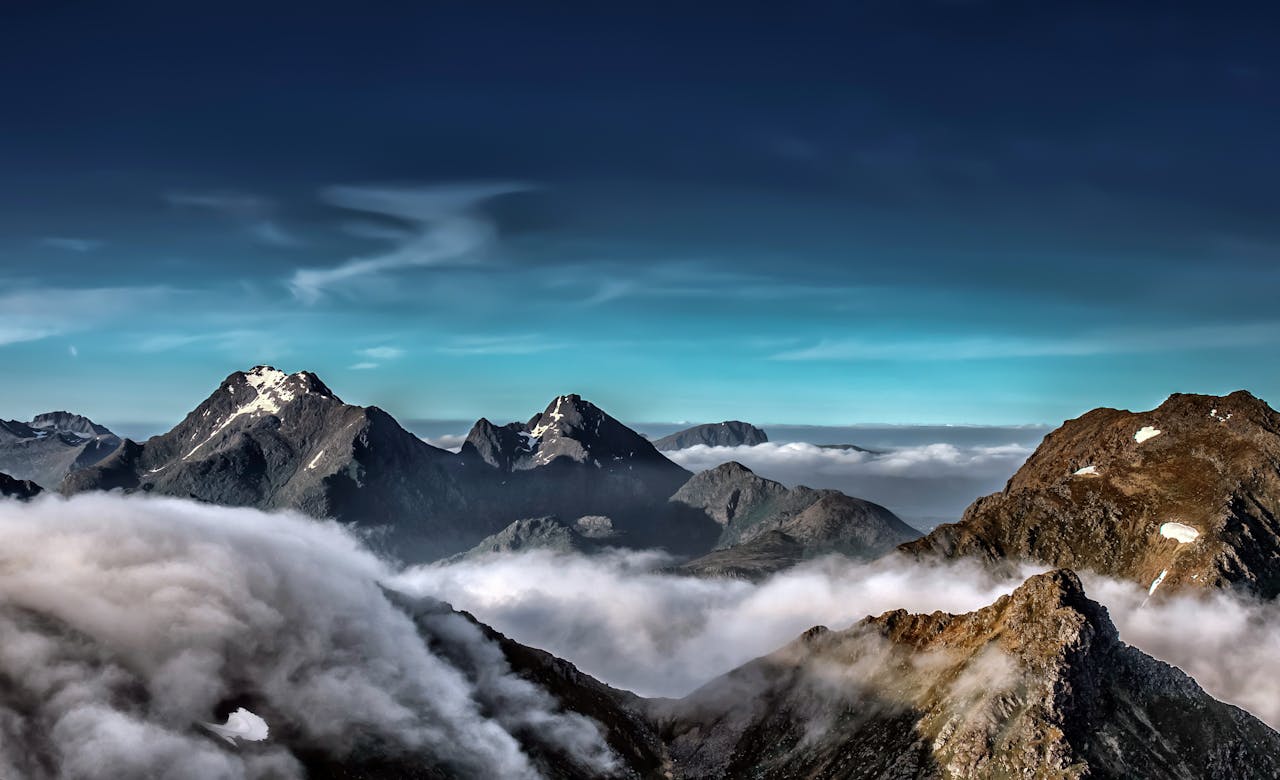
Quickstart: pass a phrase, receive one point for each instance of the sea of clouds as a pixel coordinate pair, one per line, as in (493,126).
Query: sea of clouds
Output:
(662,635)
(129,619)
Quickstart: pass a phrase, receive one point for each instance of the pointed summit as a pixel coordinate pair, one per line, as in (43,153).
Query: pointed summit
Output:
(1037,684)
(273,440)
(570,428)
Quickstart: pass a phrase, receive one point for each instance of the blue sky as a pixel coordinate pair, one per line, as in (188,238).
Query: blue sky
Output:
(913,212)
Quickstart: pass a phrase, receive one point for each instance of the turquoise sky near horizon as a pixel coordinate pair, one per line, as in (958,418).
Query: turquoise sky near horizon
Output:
(919,212)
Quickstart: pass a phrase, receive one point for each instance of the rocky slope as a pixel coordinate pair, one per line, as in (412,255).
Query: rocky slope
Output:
(834,523)
(1186,495)
(273,440)
(1037,685)
(17,488)
(585,535)
(52,445)
(746,506)
(730,433)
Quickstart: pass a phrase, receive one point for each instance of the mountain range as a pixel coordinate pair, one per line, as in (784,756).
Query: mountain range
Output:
(1035,685)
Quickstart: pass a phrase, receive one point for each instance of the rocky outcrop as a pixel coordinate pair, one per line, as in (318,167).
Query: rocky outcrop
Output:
(586,535)
(730,433)
(1186,495)
(1036,685)
(799,522)
(21,489)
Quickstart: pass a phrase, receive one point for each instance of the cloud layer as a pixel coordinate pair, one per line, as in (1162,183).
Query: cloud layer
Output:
(925,485)
(661,635)
(127,620)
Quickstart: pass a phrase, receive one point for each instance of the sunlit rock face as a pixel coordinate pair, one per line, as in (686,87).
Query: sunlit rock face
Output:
(1104,491)
(1035,685)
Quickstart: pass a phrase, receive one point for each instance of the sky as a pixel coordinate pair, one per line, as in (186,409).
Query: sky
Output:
(836,213)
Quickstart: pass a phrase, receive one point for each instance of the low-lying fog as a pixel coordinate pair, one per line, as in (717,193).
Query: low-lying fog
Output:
(128,619)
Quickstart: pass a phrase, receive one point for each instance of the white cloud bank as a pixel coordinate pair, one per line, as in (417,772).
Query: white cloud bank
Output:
(129,620)
(924,485)
(664,635)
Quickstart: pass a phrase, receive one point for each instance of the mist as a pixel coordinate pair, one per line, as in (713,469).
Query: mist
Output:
(128,620)
(621,620)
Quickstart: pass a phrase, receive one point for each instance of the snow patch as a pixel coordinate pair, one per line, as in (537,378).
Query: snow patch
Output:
(1146,432)
(315,460)
(272,392)
(1087,471)
(1157,582)
(1179,532)
(240,724)
(1220,418)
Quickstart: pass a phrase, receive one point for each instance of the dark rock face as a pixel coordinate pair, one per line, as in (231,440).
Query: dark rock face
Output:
(619,715)
(730,433)
(52,445)
(1035,685)
(1100,492)
(21,489)
(586,535)
(767,526)
(273,441)
(573,459)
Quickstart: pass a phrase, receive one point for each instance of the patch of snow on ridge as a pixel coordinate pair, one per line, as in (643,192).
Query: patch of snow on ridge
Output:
(530,440)
(1146,432)
(1179,532)
(1157,582)
(315,460)
(1087,471)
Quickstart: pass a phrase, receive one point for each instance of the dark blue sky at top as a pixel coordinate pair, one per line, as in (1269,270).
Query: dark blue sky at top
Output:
(819,213)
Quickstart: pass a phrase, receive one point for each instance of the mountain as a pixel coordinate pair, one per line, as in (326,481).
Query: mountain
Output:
(573,459)
(1186,495)
(272,440)
(17,488)
(730,433)
(52,445)
(1037,685)
(746,505)
(585,535)
(834,523)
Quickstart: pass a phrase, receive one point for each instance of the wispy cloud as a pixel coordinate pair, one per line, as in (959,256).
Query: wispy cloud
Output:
(950,348)
(72,244)
(443,228)
(517,344)
(382,353)
(238,342)
(603,283)
(235,204)
(365,366)
(255,213)
(35,313)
